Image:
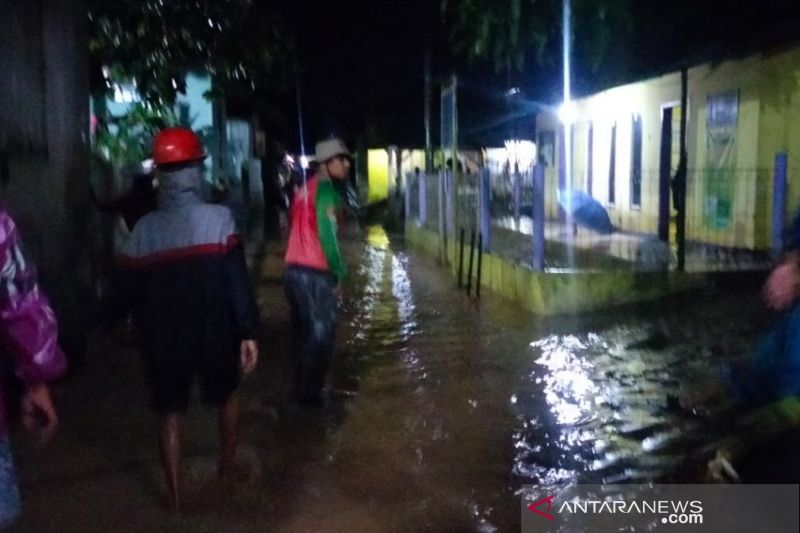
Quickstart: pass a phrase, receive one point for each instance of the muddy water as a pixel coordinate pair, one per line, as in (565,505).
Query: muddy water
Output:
(442,409)
(460,404)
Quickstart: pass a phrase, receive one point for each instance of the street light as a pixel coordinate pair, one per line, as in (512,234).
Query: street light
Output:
(567,113)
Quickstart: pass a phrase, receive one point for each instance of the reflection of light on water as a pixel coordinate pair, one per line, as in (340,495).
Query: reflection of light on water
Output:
(660,440)
(401,289)
(372,270)
(406,313)
(564,375)
(376,237)
(381,317)
(545,476)
(569,391)
(600,401)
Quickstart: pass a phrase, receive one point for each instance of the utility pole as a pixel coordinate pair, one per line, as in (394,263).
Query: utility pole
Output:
(427,89)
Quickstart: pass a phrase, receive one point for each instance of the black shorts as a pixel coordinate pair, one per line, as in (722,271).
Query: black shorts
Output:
(171,380)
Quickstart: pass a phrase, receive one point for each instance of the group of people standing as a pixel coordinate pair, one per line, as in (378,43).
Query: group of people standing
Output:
(183,277)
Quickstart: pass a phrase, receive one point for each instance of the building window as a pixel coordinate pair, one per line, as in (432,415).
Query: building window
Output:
(636,161)
(546,151)
(612,167)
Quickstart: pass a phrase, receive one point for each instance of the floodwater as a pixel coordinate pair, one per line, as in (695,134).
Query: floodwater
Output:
(442,408)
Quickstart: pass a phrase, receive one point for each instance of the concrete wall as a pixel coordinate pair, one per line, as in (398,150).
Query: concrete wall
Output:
(558,293)
(779,131)
(45,179)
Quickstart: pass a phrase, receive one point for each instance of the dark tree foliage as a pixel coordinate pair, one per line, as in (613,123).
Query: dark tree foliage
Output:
(511,32)
(241,43)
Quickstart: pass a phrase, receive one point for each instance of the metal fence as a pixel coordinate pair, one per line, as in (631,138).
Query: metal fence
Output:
(734,220)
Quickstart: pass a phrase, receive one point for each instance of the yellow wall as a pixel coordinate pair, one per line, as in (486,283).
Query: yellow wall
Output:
(558,293)
(377,175)
(602,110)
(768,88)
(779,131)
(381,177)
(708,80)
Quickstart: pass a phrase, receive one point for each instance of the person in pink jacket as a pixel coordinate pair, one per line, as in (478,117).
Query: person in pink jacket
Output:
(29,336)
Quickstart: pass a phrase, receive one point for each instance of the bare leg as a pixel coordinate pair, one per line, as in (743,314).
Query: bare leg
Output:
(170,446)
(228,437)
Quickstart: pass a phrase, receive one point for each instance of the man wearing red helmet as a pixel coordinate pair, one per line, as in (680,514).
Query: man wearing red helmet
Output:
(315,270)
(185,277)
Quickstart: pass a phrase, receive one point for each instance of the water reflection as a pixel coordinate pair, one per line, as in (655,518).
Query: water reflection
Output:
(377,237)
(594,411)
(455,396)
(370,274)
(401,290)
(569,391)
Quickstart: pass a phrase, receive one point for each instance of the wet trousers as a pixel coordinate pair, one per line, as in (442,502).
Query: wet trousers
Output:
(313,312)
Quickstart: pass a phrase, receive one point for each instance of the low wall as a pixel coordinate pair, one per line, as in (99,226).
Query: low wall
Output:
(556,293)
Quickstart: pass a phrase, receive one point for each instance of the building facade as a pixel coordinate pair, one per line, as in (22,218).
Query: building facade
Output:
(741,115)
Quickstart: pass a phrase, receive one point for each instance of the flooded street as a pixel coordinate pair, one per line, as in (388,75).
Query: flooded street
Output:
(441,409)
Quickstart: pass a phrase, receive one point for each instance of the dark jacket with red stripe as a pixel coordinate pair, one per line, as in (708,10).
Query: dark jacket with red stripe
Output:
(184,275)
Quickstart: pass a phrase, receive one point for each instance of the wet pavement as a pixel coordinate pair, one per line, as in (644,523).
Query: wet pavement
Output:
(442,408)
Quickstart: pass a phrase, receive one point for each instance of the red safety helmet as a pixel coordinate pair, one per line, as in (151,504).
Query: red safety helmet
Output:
(177,145)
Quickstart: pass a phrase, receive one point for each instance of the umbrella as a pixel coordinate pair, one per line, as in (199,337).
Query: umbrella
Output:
(585,210)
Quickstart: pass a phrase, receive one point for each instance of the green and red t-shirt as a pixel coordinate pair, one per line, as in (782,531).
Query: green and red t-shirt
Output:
(313,241)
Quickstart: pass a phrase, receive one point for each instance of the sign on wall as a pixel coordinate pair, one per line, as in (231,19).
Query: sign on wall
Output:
(719,187)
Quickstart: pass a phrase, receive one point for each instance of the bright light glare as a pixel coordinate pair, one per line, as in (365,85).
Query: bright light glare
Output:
(304,161)
(125,93)
(567,112)
(521,152)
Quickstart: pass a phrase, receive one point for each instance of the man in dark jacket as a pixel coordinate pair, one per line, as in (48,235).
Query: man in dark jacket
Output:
(184,274)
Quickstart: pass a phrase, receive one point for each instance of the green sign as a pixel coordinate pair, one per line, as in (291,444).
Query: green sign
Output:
(719,183)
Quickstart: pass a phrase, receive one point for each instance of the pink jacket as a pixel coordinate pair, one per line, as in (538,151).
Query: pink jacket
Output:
(28,327)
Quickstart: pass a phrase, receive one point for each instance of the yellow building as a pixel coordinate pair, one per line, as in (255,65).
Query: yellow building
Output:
(387,169)
(625,148)
(378,169)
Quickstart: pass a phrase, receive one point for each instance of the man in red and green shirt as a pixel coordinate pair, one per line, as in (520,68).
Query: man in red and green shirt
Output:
(315,270)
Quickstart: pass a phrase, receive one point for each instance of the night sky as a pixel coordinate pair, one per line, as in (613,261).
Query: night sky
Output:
(362,63)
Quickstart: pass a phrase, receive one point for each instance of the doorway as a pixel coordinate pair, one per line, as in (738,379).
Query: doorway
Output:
(669,157)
